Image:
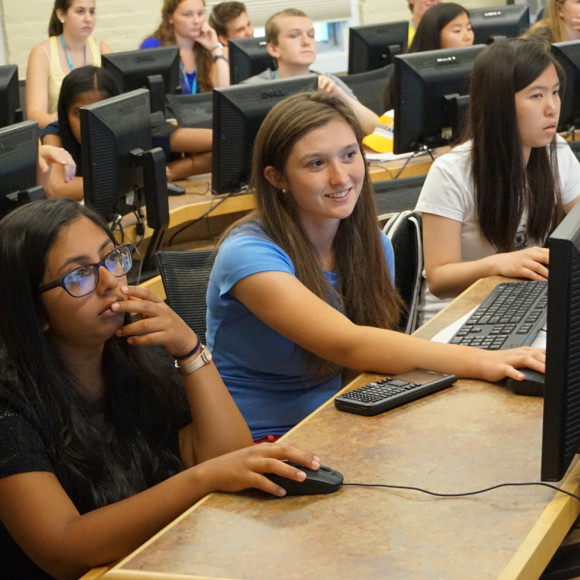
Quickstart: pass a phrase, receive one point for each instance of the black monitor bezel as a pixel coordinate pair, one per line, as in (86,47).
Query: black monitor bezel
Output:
(10,106)
(238,99)
(561,419)
(248,53)
(486,21)
(366,39)
(416,123)
(19,165)
(156,69)
(568,55)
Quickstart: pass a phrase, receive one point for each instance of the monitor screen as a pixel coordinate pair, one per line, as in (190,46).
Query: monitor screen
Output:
(248,57)
(431,94)
(18,165)
(375,45)
(10,111)
(156,69)
(120,170)
(489,24)
(238,112)
(561,431)
(568,55)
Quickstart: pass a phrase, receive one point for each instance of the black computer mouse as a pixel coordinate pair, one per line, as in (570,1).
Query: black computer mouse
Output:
(532,385)
(323,480)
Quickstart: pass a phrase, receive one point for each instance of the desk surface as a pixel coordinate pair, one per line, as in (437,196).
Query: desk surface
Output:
(470,436)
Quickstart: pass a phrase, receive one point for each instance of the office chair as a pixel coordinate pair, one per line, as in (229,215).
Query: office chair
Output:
(191,110)
(396,195)
(404,229)
(185,277)
(369,86)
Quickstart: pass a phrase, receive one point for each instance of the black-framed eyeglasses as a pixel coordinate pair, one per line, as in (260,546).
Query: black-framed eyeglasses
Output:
(84,279)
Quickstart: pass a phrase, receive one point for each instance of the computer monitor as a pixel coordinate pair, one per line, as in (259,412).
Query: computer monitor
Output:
(18,166)
(248,57)
(490,24)
(156,69)
(10,111)
(561,430)
(568,55)
(431,96)
(375,45)
(121,172)
(238,112)
(191,110)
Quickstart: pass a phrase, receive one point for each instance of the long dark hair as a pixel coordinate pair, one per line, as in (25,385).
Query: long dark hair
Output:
(97,461)
(503,185)
(427,37)
(54,24)
(81,80)
(166,36)
(359,254)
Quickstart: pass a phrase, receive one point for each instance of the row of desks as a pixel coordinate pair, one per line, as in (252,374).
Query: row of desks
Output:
(468,437)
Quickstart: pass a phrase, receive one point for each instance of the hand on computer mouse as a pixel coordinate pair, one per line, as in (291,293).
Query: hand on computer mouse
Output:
(323,480)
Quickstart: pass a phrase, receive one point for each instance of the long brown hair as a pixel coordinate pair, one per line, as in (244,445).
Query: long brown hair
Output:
(503,185)
(367,295)
(166,36)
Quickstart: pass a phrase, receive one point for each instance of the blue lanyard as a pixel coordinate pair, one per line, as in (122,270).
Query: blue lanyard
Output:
(189,81)
(68,58)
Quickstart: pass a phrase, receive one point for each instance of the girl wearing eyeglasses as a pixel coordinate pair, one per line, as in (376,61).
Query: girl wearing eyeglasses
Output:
(103,441)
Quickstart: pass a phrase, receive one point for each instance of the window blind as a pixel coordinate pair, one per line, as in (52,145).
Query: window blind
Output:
(318,10)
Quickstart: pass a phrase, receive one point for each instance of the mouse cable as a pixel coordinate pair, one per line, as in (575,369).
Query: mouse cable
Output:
(467,493)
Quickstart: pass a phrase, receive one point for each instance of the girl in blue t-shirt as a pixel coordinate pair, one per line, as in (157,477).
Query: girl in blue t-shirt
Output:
(302,288)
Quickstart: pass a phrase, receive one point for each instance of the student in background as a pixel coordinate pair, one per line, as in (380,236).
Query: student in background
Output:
(291,43)
(88,85)
(489,204)
(230,20)
(445,25)
(203,62)
(70,45)
(418,9)
(561,21)
(302,288)
(103,442)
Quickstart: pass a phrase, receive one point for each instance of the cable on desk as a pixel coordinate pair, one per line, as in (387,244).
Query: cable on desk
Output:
(466,493)
(203,216)
(417,153)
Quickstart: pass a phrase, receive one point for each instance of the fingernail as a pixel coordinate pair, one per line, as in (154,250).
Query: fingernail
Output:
(125,289)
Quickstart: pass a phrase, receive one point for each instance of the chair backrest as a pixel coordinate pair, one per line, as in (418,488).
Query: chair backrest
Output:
(191,110)
(369,86)
(185,277)
(404,229)
(395,195)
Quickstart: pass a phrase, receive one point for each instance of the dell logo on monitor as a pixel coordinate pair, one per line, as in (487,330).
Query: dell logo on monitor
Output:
(492,13)
(272,94)
(447,60)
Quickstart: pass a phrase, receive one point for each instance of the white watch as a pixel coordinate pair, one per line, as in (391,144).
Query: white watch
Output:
(203,358)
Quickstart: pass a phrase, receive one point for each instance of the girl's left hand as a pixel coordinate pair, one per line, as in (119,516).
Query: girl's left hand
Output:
(207,37)
(158,324)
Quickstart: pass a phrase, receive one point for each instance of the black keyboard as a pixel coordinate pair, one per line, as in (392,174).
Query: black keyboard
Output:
(392,392)
(511,316)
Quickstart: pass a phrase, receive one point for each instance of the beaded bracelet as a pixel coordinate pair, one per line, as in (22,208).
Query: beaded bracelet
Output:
(191,352)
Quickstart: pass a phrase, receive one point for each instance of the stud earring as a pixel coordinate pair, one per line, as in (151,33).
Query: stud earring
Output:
(283,191)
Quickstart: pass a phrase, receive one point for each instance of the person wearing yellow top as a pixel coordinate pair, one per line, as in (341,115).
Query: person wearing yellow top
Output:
(69,46)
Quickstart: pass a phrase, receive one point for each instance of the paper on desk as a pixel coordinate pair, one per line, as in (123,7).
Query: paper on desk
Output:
(447,333)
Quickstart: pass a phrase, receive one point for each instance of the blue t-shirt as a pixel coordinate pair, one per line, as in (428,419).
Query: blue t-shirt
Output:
(267,374)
